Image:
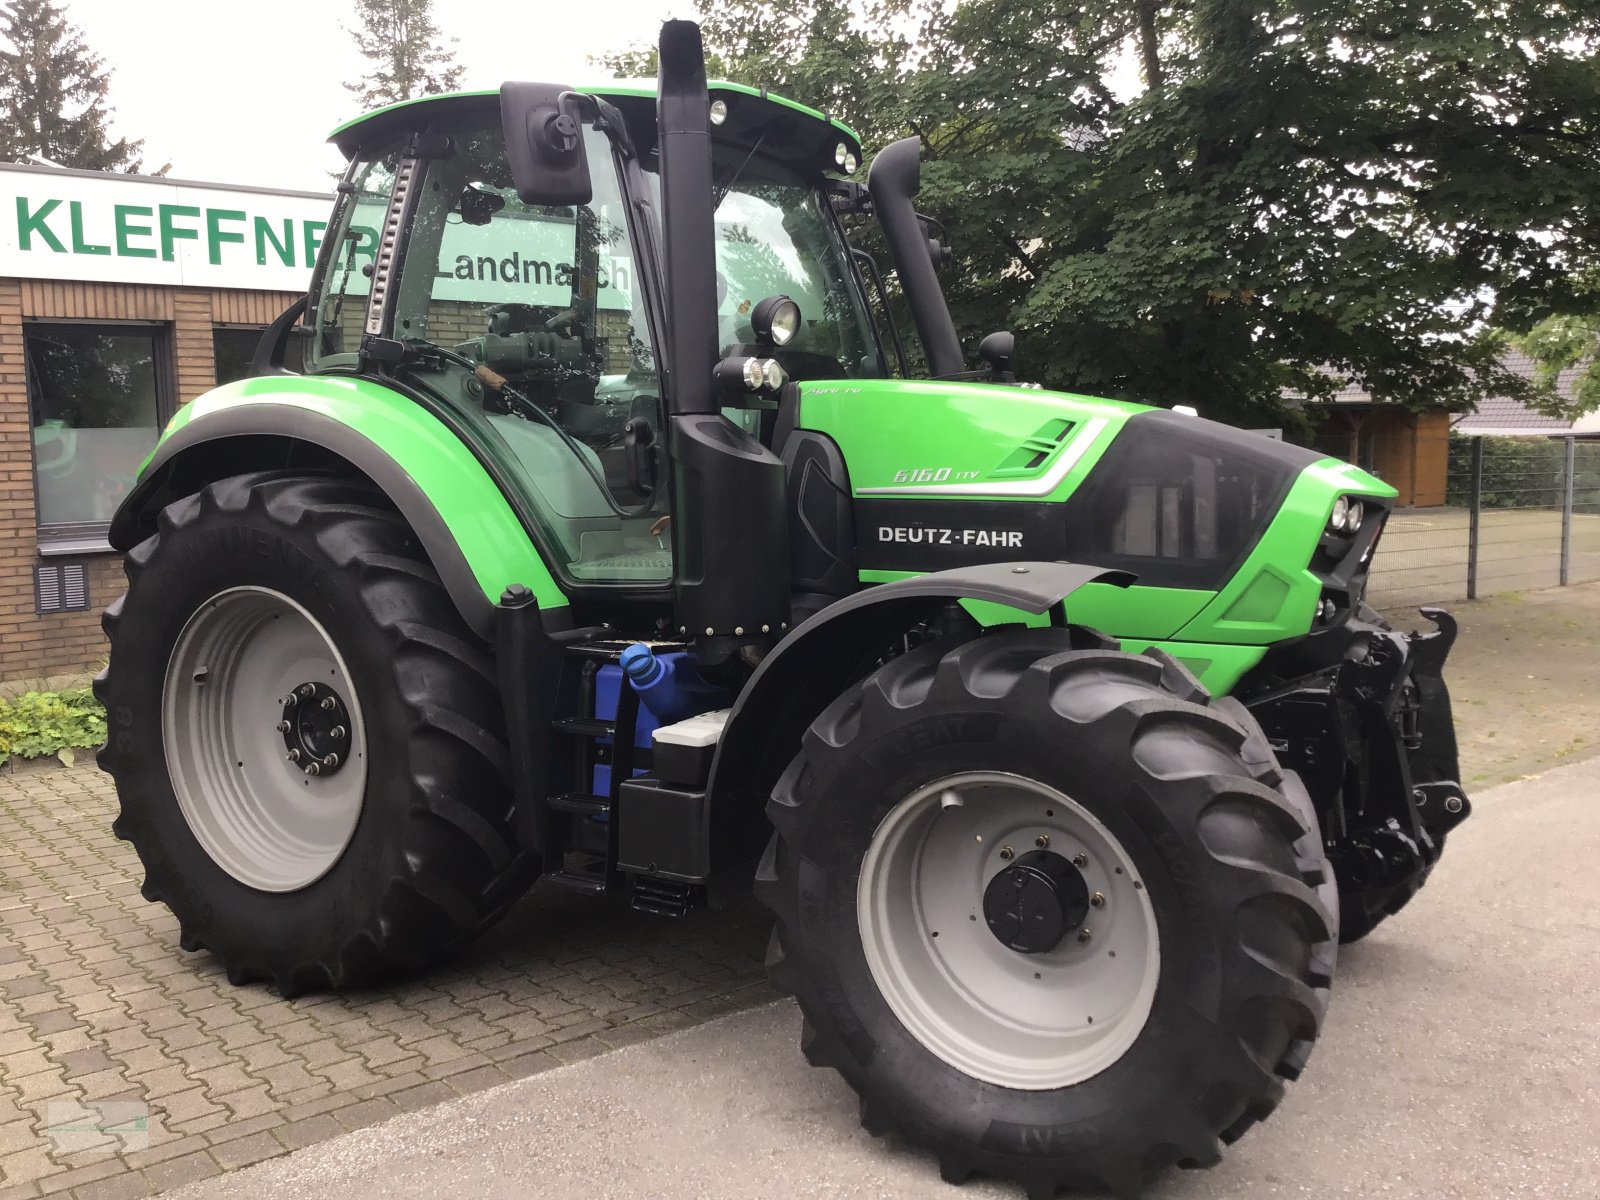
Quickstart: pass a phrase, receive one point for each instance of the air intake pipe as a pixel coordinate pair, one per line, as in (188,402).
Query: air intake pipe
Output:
(683,122)
(730,539)
(893,181)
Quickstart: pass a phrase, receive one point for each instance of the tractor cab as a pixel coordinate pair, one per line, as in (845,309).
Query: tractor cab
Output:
(537,319)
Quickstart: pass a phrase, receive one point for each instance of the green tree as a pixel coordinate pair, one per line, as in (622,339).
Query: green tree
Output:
(1292,193)
(1562,342)
(405,53)
(53,91)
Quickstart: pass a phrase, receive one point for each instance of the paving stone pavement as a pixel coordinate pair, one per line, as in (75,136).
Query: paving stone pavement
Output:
(128,1066)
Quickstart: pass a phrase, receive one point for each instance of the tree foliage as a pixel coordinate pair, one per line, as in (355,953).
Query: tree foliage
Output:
(406,55)
(53,93)
(1568,342)
(1227,202)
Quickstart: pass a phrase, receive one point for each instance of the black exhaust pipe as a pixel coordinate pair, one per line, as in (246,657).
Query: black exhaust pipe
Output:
(683,122)
(730,540)
(893,181)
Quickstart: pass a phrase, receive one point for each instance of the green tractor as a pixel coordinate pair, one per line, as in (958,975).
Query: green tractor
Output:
(603,539)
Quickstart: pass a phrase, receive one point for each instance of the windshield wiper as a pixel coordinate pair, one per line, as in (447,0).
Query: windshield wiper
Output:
(718,195)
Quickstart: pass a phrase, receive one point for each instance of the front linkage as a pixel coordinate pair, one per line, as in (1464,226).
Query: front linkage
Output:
(1372,736)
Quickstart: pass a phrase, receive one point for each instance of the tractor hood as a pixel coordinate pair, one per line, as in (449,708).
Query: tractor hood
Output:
(1237,525)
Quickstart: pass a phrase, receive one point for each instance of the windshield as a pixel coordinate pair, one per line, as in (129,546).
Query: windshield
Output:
(775,237)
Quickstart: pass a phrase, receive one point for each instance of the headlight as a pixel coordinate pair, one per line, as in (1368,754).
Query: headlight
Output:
(719,111)
(772,374)
(1353,521)
(776,320)
(1341,515)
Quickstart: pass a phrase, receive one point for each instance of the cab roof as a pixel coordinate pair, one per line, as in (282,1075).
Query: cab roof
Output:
(749,109)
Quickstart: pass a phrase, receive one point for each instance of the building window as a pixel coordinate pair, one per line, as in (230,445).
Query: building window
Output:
(99,395)
(234,347)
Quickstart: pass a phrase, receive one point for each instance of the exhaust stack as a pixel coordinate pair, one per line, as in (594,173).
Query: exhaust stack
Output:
(893,181)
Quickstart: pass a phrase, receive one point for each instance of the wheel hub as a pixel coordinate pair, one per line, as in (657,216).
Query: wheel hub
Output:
(1032,970)
(1032,904)
(228,732)
(316,728)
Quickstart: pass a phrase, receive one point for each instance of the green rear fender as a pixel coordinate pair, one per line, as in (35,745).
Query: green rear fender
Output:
(470,531)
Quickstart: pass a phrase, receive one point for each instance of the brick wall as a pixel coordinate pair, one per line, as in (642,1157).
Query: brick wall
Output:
(32,646)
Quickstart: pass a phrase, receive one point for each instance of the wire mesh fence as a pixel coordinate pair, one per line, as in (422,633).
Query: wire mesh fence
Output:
(1519,513)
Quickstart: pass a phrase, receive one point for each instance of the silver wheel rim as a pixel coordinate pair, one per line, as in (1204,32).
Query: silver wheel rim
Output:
(1031,1021)
(261,818)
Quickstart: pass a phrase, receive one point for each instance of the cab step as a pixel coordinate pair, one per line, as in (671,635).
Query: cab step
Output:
(582,803)
(589,882)
(584,727)
(666,897)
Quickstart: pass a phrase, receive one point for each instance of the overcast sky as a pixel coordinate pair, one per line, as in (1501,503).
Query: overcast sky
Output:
(245,91)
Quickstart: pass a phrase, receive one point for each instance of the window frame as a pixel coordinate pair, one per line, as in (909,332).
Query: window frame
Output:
(89,537)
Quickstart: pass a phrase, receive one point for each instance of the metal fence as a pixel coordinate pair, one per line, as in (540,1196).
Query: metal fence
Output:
(1519,513)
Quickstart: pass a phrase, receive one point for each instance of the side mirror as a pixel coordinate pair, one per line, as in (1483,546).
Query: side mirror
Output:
(544,144)
(997,350)
(940,253)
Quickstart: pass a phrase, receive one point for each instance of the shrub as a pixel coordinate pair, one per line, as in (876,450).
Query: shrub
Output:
(36,724)
(1524,473)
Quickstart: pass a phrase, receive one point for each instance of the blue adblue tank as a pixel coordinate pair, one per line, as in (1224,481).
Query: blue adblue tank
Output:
(669,689)
(668,684)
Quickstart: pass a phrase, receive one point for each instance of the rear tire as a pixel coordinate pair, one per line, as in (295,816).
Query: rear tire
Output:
(402,846)
(1224,856)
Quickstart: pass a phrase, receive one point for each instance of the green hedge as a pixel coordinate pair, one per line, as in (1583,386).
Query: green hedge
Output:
(37,724)
(1524,473)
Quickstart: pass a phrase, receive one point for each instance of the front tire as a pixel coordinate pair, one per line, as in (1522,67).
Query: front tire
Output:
(1145,1002)
(307,740)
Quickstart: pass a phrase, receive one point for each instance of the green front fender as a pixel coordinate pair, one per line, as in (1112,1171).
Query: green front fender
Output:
(470,531)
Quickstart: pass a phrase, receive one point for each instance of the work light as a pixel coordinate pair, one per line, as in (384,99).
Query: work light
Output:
(776,320)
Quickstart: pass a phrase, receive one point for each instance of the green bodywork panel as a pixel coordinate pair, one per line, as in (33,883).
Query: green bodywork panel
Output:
(1000,443)
(886,426)
(645,88)
(492,539)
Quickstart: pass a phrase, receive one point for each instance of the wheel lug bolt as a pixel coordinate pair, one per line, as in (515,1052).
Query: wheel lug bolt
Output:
(307,690)
(293,756)
(330,761)
(1080,861)
(1098,899)
(291,701)
(1006,852)
(327,703)
(1084,935)
(283,727)
(1042,840)
(337,733)
(313,769)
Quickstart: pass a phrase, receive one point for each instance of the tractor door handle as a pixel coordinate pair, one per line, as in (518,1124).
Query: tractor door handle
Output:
(639,453)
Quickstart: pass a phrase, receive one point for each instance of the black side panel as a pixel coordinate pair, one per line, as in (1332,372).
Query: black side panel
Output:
(729,531)
(822,541)
(1179,501)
